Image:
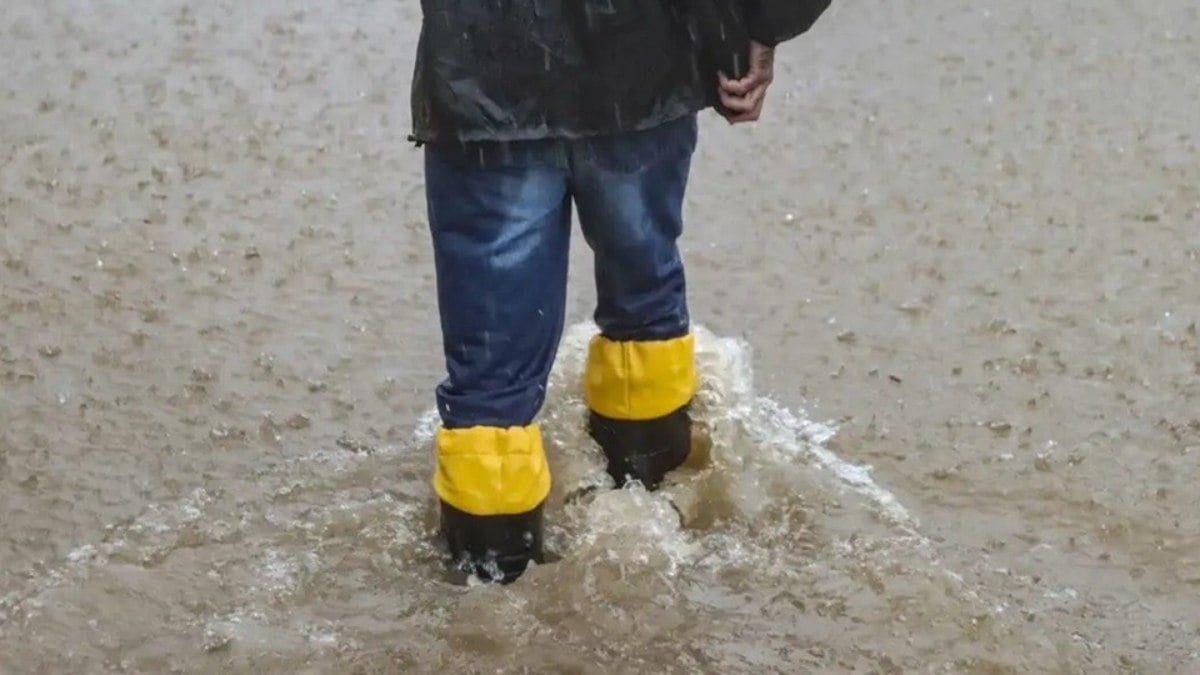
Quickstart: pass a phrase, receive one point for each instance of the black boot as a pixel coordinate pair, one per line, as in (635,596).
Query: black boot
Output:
(643,450)
(494,548)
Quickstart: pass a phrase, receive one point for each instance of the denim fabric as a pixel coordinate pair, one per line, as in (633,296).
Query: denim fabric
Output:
(500,218)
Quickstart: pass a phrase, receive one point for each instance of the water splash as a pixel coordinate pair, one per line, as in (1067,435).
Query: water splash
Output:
(771,504)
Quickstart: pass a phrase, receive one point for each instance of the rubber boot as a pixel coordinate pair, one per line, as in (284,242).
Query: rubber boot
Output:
(495,549)
(639,395)
(493,484)
(643,450)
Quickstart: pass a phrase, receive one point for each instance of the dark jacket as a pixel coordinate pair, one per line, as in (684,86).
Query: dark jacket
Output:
(529,69)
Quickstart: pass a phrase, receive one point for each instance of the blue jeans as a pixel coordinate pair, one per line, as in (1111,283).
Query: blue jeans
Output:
(500,217)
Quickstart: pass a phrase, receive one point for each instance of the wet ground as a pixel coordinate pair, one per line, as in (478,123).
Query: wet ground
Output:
(950,363)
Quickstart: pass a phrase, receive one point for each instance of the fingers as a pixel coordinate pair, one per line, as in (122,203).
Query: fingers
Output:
(743,95)
(736,104)
(742,87)
(746,108)
(738,87)
(743,99)
(762,72)
(755,98)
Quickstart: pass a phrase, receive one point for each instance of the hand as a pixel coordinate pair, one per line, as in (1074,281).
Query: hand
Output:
(743,99)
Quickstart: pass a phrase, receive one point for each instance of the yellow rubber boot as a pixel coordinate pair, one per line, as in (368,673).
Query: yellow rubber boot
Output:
(639,395)
(492,483)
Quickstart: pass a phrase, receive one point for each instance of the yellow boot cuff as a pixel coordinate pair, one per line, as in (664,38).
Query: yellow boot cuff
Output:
(640,380)
(489,471)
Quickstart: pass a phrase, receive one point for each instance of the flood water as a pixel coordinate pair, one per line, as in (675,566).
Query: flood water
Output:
(946,293)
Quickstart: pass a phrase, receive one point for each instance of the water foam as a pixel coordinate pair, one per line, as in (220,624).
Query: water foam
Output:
(728,405)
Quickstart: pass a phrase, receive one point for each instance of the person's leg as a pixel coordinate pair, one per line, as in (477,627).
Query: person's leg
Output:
(640,375)
(500,222)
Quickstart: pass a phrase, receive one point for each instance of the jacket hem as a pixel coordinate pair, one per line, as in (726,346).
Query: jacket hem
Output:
(421,137)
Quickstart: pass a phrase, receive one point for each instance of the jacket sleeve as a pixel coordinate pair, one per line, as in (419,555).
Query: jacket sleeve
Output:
(771,22)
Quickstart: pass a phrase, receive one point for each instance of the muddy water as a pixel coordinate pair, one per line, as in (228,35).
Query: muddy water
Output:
(949,355)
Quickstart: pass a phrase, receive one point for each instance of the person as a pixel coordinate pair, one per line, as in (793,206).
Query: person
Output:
(526,109)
